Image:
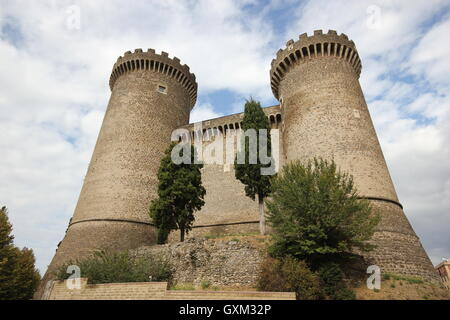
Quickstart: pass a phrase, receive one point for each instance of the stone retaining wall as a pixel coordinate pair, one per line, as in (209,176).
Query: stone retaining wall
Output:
(153,291)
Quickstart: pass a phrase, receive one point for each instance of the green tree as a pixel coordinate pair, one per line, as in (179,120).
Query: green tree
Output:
(26,276)
(316,213)
(18,276)
(248,165)
(180,192)
(7,256)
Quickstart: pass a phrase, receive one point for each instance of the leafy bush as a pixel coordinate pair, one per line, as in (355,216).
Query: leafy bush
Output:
(344,293)
(289,274)
(118,267)
(333,285)
(315,213)
(331,275)
(205,284)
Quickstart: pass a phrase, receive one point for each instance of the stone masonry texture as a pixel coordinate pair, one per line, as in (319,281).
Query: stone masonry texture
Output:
(322,112)
(219,262)
(152,291)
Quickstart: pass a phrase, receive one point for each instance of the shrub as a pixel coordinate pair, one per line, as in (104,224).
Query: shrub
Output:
(117,267)
(205,284)
(331,276)
(316,212)
(344,294)
(289,274)
(333,285)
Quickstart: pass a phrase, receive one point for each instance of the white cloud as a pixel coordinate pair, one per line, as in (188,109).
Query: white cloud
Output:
(54,88)
(203,112)
(431,56)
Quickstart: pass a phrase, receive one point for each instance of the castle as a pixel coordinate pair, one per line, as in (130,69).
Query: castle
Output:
(322,112)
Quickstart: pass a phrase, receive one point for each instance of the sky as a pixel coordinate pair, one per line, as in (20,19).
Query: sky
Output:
(56,58)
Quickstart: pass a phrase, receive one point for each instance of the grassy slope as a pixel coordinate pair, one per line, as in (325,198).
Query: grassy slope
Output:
(403,288)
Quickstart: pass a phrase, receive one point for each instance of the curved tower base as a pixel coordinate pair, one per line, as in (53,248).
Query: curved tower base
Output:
(398,248)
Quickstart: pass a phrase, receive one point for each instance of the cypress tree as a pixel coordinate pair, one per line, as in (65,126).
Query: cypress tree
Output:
(180,194)
(250,174)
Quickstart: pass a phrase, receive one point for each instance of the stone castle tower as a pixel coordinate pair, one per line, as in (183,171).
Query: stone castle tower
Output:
(322,112)
(151,95)
(325,114)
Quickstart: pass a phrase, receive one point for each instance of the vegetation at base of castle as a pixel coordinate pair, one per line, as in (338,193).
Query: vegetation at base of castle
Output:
(289,275)
(318,219)
(316,214)
(19,277)
(180,194)
(205,284)
(409,279)
(332,282)
(256,184)
(116,267)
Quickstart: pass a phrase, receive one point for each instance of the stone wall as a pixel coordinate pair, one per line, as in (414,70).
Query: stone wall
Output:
(227,209)
(231,263)
(108,291)
(153,291)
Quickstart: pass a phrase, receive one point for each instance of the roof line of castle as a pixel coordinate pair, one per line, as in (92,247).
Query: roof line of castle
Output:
(229,115)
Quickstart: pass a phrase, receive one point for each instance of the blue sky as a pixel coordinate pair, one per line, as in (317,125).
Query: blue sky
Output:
(56,57)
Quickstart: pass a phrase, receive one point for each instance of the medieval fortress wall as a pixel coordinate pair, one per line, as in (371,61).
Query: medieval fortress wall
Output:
(322,112)
(227,209)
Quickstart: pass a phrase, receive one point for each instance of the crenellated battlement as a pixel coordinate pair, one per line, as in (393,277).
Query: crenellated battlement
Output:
(233,122)
(151,61)
(319,45)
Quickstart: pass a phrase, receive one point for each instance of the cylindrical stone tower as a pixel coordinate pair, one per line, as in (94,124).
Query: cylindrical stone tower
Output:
(151,96)
(316,80)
